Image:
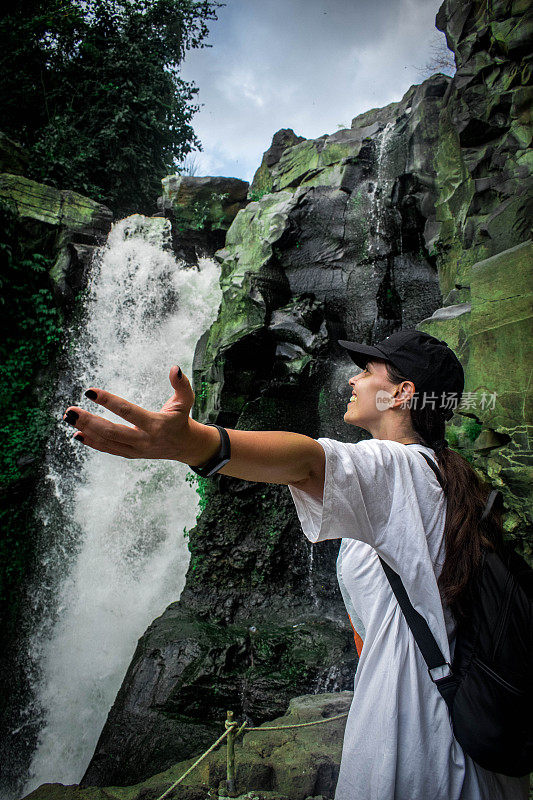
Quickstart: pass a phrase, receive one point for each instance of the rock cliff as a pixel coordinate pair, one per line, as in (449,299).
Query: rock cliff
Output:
(201,211)
(481,239)
(416,214)
(66,225)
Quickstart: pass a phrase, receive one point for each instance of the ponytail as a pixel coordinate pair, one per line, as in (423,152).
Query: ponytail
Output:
(465,535)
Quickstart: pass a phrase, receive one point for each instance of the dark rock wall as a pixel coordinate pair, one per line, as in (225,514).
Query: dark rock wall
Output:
(353,235)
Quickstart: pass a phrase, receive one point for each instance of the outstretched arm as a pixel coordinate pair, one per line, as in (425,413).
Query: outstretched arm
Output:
(263,456)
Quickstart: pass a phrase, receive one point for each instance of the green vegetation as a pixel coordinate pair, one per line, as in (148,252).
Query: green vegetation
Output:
(32,335)
(208,213)
(92,89)
(202,392)
(203,486)
(472,428)
(257,194)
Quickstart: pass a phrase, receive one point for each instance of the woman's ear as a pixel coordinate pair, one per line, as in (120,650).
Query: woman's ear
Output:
(403,394)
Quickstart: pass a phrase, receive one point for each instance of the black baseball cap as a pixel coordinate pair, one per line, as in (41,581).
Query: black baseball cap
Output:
(428,362)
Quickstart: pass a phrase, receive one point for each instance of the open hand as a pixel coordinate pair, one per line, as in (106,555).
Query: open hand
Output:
(161,434)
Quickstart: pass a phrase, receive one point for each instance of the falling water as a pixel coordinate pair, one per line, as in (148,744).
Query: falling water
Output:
(381,185)
(310,575)
(121,558)
(328,681)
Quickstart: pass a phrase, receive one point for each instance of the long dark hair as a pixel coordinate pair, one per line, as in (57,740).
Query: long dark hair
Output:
(465,536)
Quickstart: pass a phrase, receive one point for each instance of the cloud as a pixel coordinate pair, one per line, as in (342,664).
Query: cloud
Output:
(310,65)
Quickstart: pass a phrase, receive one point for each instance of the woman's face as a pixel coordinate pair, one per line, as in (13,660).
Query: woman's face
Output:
(371,391)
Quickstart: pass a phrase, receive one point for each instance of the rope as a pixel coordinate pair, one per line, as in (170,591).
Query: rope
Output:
(197,762)
(230,726)
(299,725)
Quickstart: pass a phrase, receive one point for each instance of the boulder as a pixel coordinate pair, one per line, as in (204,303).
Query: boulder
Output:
(201,210)
(56,221)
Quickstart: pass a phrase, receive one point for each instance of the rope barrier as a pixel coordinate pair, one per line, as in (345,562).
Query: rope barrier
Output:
(299,725)
(220,738)
(232,735)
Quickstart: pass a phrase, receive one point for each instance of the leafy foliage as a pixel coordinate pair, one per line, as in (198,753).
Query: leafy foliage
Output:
(203,489)
(257,194)
(32,330)
(31,337)
(92,89)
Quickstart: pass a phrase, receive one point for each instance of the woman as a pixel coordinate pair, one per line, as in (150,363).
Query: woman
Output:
(380,498)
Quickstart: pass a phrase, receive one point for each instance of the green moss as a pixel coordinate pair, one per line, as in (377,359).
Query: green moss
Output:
(201,392)
(262,183)
(472,429)
(207,214)
(296,163)
(326,176)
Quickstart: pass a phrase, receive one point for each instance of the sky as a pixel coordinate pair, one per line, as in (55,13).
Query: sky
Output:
(309,65)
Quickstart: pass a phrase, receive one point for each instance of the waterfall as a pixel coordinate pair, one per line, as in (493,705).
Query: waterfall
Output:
(380,187)
(119,556)
(310,575)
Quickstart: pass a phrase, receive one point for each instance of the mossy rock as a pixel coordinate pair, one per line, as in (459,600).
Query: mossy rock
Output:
(493,338)
(58,208)
(202,203)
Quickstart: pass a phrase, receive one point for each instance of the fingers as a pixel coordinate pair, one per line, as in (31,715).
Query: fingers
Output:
(100,430)
(183,393)
(155,435)
(122,408)
(105,446)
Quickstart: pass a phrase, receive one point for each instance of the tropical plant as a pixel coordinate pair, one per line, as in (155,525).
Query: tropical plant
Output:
(92,89)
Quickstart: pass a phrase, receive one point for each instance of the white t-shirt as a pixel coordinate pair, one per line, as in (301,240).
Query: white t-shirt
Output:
(382,498)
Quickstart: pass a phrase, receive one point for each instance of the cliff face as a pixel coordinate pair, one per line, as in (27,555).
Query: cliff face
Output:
(355,235)
(64,225)
(483,217)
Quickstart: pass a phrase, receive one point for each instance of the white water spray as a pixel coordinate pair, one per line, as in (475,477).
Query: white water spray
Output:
(380,186)
(144,313)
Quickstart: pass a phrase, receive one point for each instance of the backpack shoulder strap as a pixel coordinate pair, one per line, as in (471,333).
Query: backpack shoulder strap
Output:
(434,467)
(427,644)
(420,629)
(425,640)
(490,500)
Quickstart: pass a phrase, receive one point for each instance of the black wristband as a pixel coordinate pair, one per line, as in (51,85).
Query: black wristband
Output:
(221,457)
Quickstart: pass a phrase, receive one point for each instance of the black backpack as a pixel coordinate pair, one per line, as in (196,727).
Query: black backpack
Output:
(489,685)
